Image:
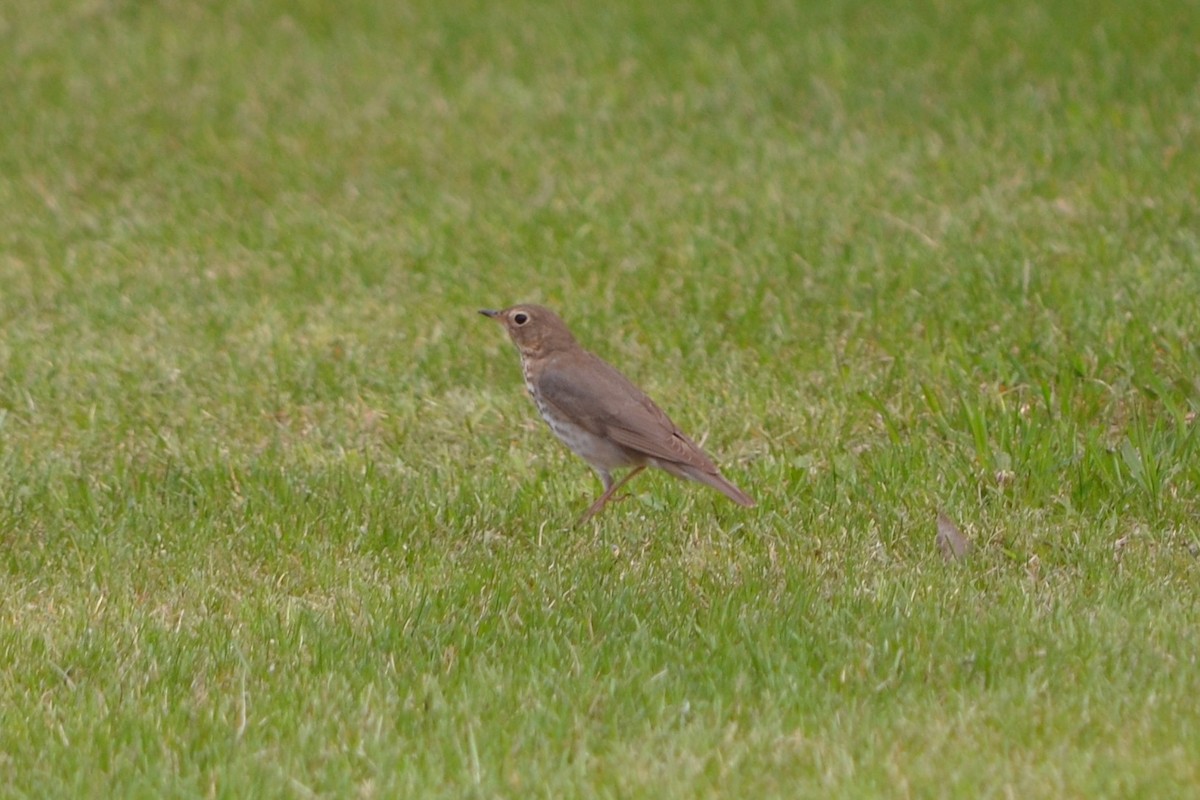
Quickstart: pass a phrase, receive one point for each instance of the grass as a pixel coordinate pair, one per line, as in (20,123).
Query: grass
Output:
(278,520)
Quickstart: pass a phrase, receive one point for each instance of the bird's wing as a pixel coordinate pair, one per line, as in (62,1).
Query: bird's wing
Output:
(606,403)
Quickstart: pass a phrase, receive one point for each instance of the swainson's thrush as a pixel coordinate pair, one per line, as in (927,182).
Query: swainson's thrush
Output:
(598,412)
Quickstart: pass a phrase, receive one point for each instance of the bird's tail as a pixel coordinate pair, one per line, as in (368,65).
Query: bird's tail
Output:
(717,481)
(722,484)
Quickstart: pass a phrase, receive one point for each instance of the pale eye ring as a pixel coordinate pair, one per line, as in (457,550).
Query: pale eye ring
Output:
(520,318)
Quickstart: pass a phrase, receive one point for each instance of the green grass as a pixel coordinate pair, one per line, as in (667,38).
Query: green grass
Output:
(277,518)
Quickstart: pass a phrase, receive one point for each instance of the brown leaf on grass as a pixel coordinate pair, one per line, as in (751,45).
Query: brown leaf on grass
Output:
(950,540)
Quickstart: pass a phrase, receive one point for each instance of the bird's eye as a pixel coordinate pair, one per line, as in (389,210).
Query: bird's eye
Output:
(520,318)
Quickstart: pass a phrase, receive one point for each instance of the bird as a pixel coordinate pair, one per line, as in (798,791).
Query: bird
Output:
(599,413)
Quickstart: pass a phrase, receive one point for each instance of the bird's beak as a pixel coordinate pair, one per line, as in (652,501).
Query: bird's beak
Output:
(489,312)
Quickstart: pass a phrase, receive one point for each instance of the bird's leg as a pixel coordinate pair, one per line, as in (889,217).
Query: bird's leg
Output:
(610,489)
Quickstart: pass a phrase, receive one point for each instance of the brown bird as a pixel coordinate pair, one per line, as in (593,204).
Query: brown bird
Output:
(598,412)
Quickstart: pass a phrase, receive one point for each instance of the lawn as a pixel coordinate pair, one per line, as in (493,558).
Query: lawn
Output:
(277,517)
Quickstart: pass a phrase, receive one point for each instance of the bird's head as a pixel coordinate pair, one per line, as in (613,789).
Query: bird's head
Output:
(535,330)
